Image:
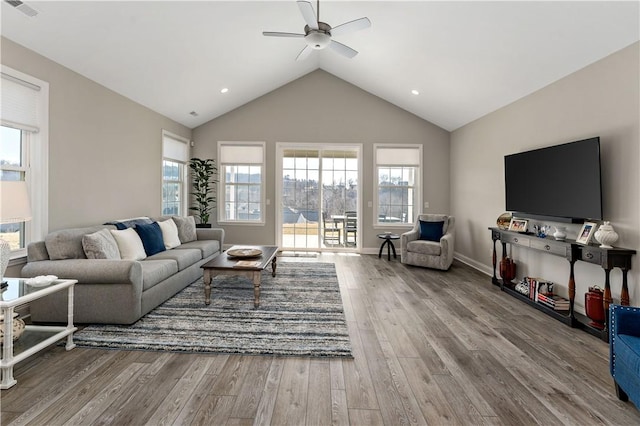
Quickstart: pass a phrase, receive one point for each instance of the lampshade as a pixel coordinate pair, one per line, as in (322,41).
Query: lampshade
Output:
(14,202)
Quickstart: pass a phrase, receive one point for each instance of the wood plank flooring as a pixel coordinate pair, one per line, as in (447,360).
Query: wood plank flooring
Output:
(429,347)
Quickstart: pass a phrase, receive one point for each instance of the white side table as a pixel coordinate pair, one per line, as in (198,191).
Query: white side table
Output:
(35,337)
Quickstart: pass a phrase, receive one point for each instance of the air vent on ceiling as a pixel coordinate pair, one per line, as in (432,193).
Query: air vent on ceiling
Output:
(23,7)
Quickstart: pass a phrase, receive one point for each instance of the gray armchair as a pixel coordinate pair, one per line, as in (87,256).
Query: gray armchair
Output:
(435,249)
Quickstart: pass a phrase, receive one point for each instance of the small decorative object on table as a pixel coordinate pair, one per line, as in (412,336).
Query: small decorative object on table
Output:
(244,252)
(41,280)
(586,232)
(561,233)
(541,231)
(504,220)
(518,225)
(606,235)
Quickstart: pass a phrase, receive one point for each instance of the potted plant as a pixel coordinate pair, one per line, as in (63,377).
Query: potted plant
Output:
(202,189)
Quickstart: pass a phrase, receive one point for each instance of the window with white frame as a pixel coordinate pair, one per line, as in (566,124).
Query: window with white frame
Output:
(397,183)
(242,182)
(175,156)
(24,142)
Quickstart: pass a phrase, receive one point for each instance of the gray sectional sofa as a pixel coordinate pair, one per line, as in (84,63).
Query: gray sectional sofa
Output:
(115,291)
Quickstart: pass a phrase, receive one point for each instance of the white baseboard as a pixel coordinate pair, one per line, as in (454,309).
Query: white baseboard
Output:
(488,270)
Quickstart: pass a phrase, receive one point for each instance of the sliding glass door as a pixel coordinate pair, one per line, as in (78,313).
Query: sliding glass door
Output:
(319,198)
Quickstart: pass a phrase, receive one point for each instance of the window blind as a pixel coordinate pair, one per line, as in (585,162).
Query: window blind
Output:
(19,103)
(398,156)
(175,149)
(241,154)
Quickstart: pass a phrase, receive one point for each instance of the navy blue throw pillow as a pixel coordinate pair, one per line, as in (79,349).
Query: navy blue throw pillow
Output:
(431,231)
(151,236)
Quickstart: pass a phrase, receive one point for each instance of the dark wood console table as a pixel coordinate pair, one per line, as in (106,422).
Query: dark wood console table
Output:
(573,252)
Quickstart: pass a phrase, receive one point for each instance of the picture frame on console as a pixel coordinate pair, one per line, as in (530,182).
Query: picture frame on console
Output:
(586,233)
(518,225)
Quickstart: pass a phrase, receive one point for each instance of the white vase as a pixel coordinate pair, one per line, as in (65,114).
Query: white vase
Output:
(561,233)
(606,235)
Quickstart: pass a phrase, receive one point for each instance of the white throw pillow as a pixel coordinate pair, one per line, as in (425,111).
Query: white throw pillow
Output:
(169,234)
(129,244)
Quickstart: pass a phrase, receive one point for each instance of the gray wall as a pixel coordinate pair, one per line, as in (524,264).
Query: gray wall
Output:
(599,100)
(105,150)
(321,108)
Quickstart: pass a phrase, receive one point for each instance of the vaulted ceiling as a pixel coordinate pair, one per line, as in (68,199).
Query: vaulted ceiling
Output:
(466,59)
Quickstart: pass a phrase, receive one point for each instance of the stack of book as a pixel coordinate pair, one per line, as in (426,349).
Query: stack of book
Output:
(538,286)
(553,301)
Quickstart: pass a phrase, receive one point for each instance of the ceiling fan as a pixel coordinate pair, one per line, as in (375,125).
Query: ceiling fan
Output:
(318,34)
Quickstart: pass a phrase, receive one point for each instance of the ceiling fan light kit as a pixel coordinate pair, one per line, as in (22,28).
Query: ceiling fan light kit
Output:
(318,34)
(320,38)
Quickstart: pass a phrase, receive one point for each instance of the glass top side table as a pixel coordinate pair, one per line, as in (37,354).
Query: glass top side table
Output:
(35,337)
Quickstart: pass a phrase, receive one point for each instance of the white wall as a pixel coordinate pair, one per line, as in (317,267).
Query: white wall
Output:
(599,100)
(105,150)
(321,108)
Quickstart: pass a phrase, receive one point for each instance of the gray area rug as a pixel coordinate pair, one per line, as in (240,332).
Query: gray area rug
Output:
(300,314)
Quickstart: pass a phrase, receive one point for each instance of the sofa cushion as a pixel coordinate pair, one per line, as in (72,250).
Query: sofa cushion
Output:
(67,243)
(431,231)
(206,247)
(156,271)
(100,245)
(186,228)
(169,233)
(129,244)
(184,257)
(430,248)
(151,236)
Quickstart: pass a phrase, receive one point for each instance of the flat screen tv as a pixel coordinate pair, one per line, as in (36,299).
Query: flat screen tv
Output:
(560,182)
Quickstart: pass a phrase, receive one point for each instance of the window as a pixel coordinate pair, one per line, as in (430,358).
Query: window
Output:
(397,183)
(175,155)
(241,189)
(24,143)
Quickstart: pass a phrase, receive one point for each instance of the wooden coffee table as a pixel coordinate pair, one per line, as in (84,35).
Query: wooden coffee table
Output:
(250,267)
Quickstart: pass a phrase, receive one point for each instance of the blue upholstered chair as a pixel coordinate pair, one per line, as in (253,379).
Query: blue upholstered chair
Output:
(624,357)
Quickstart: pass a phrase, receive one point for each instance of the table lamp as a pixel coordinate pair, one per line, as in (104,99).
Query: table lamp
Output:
(14,208)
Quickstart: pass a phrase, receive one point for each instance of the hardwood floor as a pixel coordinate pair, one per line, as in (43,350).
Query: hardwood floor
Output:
(429,347)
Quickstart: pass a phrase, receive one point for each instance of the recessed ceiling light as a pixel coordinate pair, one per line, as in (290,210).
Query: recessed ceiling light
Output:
(224,90)
(415,92)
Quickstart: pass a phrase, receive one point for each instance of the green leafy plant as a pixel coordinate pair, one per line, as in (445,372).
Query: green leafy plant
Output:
(203,181)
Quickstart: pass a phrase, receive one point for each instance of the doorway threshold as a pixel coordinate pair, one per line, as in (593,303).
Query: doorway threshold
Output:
(298,254)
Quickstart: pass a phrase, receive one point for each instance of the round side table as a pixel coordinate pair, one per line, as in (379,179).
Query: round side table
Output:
(388,241)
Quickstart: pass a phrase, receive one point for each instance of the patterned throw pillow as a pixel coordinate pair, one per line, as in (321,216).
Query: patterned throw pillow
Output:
(100,245)
(186,228)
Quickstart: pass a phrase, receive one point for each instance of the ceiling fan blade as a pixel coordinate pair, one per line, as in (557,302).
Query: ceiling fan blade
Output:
(304,53)
(356,25)
(308,14)
(342,49)
(279,34)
